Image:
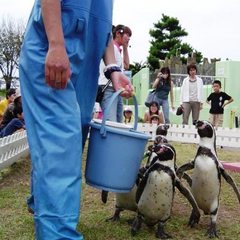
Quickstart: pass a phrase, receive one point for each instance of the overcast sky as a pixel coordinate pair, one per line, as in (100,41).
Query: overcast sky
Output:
(212,25)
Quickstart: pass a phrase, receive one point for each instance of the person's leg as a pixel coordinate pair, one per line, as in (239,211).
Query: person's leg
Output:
(219,120)
(112,114)
(120,110)
(165,108)
(211,119)
(195,106)
(186,112)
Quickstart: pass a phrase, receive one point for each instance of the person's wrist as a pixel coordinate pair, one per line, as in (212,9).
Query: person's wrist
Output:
(109,69)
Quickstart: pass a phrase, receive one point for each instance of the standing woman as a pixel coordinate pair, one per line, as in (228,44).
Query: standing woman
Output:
(121,38)
(191,95)
(164,85)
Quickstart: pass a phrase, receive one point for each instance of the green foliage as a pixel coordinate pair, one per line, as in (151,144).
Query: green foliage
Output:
(166,42)
(11,37)
(136,67)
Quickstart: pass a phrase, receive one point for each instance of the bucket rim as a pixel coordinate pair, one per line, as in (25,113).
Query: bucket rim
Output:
(127,132)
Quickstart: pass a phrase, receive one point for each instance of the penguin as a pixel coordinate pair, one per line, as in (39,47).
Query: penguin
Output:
(162,129)
(155,193)
(127,201)
(206,177)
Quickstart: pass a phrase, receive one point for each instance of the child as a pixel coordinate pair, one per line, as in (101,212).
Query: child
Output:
(128,115)
(16,124)
(155,119)
(217,100)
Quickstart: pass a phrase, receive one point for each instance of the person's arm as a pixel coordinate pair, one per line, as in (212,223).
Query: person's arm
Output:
(119,80)
(126,61)
(227,102)
(161,118)
(156,82)
(145,119)
(57,66)
(171,95)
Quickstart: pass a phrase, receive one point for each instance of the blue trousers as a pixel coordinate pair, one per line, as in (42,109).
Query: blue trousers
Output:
(57,120)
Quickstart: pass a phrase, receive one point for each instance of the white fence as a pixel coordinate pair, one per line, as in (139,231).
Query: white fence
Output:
(12,148)
(15,146)
(188,134)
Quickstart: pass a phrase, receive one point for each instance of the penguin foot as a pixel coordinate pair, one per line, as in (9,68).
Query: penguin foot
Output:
(137,223)
(212,232)
(130,221)
(104,196)
(161,234)
(116,215)
(194,219)
(114,218)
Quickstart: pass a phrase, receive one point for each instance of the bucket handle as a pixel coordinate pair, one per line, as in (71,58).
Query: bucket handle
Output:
(103,131)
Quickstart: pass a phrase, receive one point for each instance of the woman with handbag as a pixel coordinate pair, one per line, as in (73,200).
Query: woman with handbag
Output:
(121,38)
(163,85)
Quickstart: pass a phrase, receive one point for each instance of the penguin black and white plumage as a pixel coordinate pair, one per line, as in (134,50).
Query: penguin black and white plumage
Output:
(127,201)
(206,177)
(155,192)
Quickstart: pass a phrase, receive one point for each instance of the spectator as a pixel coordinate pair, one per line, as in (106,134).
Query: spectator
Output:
(128,115)
(16,124)
(8,114)
(155,119)
(59,66)
(10,95)
(97,111)
(191,95)
(164,85)
(218,101)
(121,38)
(153,110)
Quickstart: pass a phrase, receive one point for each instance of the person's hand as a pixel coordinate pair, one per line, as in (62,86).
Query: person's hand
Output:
(57,67)
(159,75)
(119,80)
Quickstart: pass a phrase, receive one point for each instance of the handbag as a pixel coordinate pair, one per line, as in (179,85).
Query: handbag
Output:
(100,91)
(151,98)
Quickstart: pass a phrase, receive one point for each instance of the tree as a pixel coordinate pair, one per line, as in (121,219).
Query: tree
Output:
(166,42)
(136,67)
(11,36)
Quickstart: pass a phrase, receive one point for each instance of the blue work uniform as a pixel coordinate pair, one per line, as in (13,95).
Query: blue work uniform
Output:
(57,120)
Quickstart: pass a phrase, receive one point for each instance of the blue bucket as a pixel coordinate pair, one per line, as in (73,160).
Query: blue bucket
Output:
(114,154)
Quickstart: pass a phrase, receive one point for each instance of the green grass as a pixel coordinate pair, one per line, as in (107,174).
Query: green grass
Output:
(17,224)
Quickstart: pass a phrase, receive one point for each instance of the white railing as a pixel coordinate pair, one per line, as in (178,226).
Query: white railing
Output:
(188,134)
(15,146)
(12,148)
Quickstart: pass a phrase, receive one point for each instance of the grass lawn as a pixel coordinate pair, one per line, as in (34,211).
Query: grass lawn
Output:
(17,224)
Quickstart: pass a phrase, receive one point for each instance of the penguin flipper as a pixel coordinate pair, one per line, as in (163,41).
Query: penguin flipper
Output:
(230,181)
(195,216)
(187,178)
(141,185)
(185,167)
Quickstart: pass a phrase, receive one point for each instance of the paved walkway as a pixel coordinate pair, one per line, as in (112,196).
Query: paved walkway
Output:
(235,167)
